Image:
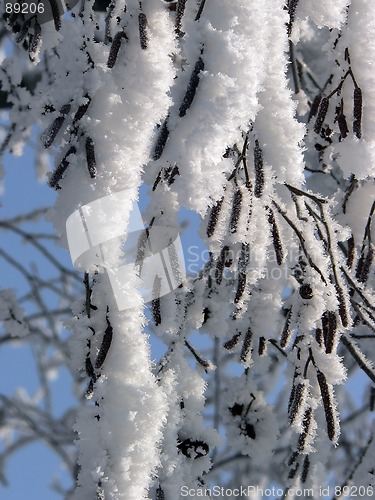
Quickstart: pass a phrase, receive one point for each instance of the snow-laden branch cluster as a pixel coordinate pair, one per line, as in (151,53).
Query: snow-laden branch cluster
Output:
(258,117)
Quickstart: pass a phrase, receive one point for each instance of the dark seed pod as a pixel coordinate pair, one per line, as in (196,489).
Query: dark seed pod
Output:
(155,304)
(237,409)
(231,343)
(193,448)
(329,326)
(351,252)
(328,405)
(90,157)
(292,5)
(180,9)
(90,369)
(258,168)
(236,211)
(305,469)
(192,87)
(50,133)
(157,180)
(60,170)
(174,263)
(262,346)
(319,337)
(323,108)
(357,112)
(214,217)
(315,106)
(55,14)
(161,141)
(81,111)
(293,457)
(306,291)
(364,265)
(279,251)
(89,390)
(115,47)
(241,285)
(106,344)
(343,312)
(293,472)
(23,31)
(220,264)
(306,422)
(287,332)
(35,41)
(173,174)
(296,401)
(249,430)
(343,126)
(160,494)
(142,23)
(246,346)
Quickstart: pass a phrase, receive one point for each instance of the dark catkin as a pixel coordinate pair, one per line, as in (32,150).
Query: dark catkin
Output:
(277,245)
(329,328)
(258,169)
(161,140)
(105,346)
(236,211)
(214,217)
(55,14)
(315,106)
(262,346)
(305,469)
(287,331)
(35,41)
(157,180)
(292,5)
(357,112)
(180,9)
(90,369)
(364,265)
(244,259)
(155,304)
(306,422)
(295,402)
(351,252)
(293,457)
(160,494)
(50,133)
(90,157)
(241,285)
(343,126)
(81,111)
(220,264)
(246,346)
(24,30)
(343,312)
(60,170)
(115,47)
(231,343)
(319,337)
(174,263)
(142,23)
(327,404)
(192,87)
(172,174)
(293,472)
(323,108)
